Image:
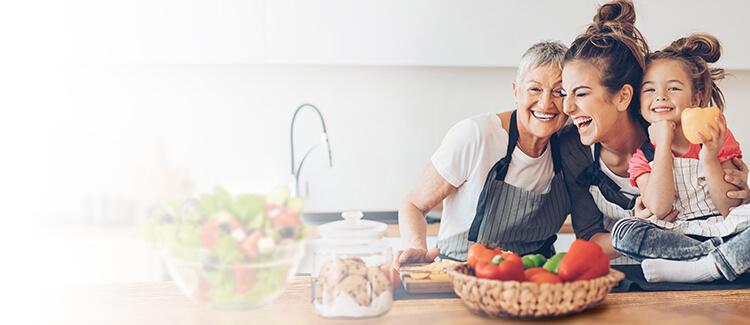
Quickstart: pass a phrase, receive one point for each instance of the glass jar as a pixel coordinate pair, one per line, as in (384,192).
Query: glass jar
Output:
(352,269)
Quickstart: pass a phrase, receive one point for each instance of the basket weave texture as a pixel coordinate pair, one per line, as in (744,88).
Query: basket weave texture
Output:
(528,300)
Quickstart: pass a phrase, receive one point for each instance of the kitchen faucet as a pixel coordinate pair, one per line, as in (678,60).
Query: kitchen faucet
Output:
(323,141)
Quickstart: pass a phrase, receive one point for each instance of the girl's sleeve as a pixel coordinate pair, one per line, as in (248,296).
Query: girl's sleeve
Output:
(638,166)
(730,149)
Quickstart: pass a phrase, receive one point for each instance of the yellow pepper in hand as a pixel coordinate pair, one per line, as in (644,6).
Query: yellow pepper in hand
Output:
(696,119)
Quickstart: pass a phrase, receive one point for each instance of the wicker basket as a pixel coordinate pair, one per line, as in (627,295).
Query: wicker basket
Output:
(527,300)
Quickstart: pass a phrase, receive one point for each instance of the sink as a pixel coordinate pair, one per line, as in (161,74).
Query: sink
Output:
(318,218)
(389,217)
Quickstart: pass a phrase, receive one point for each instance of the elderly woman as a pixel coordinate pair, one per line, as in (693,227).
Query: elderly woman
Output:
(497,175)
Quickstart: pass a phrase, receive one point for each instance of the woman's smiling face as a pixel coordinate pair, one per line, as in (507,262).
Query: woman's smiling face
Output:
(539,101)
(588,102)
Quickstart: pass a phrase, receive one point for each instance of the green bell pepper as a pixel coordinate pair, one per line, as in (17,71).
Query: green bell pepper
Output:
(533,260)
(553,262)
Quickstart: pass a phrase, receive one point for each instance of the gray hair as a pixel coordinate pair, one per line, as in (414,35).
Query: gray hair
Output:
(546,53)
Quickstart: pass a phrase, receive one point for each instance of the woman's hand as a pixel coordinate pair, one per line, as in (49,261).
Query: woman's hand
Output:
(738,177)
(415,255)
(430,190)
(661,133)
(642,212)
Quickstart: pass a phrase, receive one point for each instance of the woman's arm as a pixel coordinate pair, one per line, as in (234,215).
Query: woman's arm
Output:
(604,240)
(588,221)
(737,176)
(430,191)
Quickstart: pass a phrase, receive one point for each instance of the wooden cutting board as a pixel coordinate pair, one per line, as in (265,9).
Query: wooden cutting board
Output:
(425,285)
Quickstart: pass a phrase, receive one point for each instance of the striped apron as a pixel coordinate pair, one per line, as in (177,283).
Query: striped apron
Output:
(608,197)
(698,214)
(513,218)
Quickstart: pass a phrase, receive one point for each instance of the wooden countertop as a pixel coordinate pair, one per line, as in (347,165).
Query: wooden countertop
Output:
(161,303)
(433,228)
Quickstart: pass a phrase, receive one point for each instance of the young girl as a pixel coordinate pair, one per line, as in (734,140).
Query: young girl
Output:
(676,177)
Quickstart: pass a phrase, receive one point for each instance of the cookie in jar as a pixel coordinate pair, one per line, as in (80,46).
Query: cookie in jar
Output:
(352,270)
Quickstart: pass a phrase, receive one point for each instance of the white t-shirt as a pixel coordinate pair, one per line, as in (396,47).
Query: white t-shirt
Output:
(464,159)
(623,182)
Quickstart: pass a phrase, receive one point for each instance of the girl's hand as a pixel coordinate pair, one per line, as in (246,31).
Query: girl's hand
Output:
(640,209)
(738,177)
(661,133)
(642,212)
(718,137)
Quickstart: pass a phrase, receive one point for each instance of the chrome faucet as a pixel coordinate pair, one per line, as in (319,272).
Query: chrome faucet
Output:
(297,170)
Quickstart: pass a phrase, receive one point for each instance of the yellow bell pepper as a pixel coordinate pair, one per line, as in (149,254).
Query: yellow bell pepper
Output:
(696,119)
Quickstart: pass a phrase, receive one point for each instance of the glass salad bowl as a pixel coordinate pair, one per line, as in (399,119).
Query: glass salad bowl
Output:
(230,252)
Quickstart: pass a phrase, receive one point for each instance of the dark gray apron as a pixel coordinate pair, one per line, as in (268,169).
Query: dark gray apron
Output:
(607,195)
(513,218)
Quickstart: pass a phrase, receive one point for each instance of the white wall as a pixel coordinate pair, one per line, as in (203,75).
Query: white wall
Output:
(95,133)
(373,32)
(95,92)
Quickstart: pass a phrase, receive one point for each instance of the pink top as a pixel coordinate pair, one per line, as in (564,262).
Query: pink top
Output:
(639,164)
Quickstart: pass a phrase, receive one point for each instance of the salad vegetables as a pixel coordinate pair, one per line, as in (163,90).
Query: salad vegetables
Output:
(230,250)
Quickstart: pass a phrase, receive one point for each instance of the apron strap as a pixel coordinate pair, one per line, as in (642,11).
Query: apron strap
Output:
(594,176)
(556,160)
(501,169)
(648,150)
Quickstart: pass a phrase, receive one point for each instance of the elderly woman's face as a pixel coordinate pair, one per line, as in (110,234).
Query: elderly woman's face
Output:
(588,102)
(539,101)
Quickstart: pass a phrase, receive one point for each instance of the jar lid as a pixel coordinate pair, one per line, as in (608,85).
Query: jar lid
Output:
(353,228)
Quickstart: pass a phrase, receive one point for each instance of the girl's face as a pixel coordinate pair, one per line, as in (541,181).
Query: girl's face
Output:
(589,103)
(539,101)
(666,91)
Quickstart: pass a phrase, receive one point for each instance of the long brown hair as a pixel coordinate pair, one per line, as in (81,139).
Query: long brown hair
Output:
(616,47)
(695,52)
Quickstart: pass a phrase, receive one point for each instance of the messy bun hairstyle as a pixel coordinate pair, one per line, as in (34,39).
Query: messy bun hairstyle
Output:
(616,47)
(695,52)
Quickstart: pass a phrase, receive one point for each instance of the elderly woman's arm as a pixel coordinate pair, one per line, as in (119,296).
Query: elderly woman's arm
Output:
(430,190)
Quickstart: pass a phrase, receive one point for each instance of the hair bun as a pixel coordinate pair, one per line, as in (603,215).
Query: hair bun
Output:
(618,11)
(704,46)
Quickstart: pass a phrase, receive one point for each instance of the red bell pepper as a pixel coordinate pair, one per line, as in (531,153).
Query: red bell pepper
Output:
(530,272)
(543,276)
(506,266)
(585,260)
(480,253)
